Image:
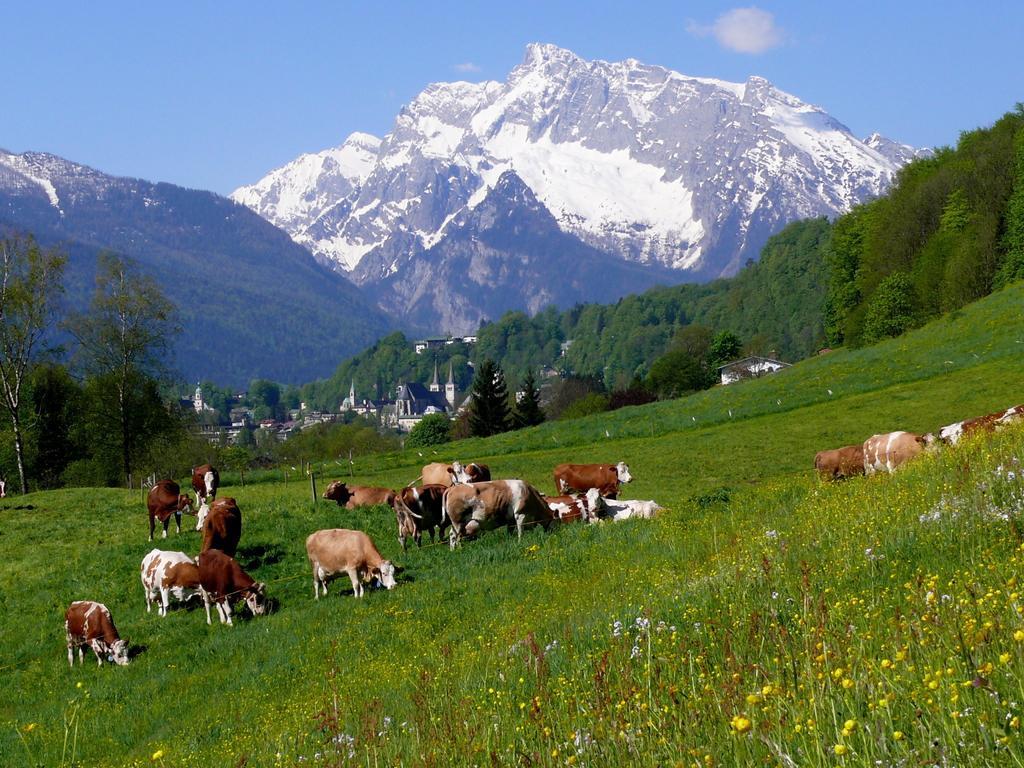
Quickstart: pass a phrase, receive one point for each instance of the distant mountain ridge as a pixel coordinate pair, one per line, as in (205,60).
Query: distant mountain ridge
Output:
(252,302)
(685,175)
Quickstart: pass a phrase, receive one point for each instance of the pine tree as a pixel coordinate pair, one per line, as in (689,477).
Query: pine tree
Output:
(527,412)
(489,412)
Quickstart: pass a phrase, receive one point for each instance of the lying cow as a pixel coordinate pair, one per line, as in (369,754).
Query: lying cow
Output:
(166,499)
(569,509)
(166,575)
(603,508)
(337,550)
(354,496)
(222,528)
(954,433)
(223,582)
(840,463)
(475,507)
(205,481)
(887,452)
(418,510)
(89,623)
(582,477)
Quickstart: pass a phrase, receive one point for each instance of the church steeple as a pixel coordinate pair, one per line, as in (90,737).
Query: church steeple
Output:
(449,388)
(435,385)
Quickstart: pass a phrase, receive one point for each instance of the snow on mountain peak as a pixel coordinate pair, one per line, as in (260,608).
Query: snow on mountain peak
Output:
(651,165)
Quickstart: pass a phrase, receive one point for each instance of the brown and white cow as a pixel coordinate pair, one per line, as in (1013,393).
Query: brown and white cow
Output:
(840,463)
(417,510)
(205,481)
(352,496)
(338,550)
(952,434)
(166,499)
(475,507)
(223,582)
(469,473)
(223,527)
(886,452)
(569,509)
(168,574)
(582,477)
(603,508)
(89,623)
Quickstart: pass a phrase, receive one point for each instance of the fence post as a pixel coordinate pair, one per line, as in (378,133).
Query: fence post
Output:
(312,485)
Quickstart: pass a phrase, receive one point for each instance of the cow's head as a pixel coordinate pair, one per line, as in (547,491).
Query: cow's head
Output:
(119,652)
(929,440)
(256,598)
(386,574)
(337,491)
(185,503)
(595,504)
(622,470)
(458,473)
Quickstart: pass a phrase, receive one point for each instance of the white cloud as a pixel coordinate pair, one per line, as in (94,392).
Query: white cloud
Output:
(746,30)
(466,66)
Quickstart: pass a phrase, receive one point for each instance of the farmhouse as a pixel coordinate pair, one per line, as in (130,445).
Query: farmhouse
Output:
(751,367)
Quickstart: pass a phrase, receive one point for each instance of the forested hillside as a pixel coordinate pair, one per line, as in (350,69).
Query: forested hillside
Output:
(949,232)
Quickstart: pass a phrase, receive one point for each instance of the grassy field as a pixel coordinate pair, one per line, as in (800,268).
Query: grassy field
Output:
(765,619)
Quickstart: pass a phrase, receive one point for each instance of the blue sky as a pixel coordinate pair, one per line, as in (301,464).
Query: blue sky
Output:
(213,95)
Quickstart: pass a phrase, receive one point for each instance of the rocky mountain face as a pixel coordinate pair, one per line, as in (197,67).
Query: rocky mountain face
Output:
(253,303)
(684,177)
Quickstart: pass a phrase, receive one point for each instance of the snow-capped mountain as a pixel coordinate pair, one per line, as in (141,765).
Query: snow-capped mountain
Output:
(252,302)
(646,164)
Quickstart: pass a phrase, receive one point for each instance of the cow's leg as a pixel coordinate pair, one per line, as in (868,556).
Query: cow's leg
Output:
(98,650)
(177,522)
(149,600)
(206,602)
(353,576)
(167,522)
(71,645)
(152,526)
(165,600)
(227,613)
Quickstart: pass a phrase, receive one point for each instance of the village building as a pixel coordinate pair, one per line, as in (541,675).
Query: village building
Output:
(751,367)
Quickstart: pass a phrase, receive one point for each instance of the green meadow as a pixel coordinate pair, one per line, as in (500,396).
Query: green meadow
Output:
(764,619)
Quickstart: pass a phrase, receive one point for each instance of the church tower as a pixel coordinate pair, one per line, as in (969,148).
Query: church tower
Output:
(449,388)
(435,386)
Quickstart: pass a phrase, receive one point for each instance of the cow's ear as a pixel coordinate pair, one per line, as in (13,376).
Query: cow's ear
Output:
(450,471)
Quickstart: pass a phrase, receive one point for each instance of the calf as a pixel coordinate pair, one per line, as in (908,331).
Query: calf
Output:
(840,463)
(89,623)
(470,473)
(205,481)
(222,581)
(223,527)
(569,509)
(484,506)
(612,509)
(167,574)
(582,477)
(337,550)
(358,495)
(887,452)
(165,499)
(418,510)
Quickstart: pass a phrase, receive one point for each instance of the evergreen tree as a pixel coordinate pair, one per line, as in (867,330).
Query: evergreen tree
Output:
(489,412)
(527,412)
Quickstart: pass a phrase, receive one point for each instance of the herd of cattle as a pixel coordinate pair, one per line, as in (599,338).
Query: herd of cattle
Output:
(462,499)
(886,452)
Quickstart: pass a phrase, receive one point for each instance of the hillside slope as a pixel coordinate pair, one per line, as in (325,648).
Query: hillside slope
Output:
(760,617)
(252,302)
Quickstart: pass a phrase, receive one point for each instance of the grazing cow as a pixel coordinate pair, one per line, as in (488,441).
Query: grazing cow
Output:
(337,550)
(358,495)
(418,510)
(167,574)
(582,477)
(223,527)
(612,509)
(470,473)
(569,509)
(840,463)
(89,623)
(886,452)
(475,507)
(166,499)
(223,582)
(205,481)
(952,434)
